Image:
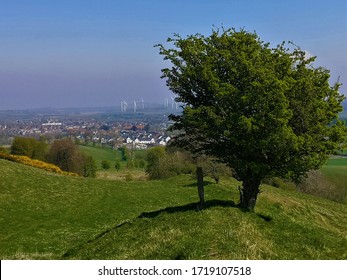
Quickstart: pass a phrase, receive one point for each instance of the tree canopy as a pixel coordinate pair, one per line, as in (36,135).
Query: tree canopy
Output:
(65,154)
(29,147)
(263,111)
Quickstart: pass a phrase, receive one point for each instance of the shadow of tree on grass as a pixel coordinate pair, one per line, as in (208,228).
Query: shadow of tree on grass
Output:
(188,207)
(206,183)
(153,214)
(171,210)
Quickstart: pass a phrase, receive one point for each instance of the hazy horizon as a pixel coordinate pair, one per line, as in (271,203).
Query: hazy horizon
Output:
(66,54)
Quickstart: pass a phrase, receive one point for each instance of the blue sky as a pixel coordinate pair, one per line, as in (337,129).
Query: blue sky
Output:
(80,53)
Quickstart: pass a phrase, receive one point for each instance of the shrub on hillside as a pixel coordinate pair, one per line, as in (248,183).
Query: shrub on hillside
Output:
(318,185)
(89,166)
(29,147)
(35,163)
(3,150)
(212,168)
(65,154)
(180,161)
(105,164)
(158,163)
(162,163)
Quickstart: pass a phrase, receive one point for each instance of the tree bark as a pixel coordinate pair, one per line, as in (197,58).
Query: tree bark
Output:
(249,194)
(201,190)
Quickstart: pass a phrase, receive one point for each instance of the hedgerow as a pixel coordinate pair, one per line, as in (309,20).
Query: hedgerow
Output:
(35,163)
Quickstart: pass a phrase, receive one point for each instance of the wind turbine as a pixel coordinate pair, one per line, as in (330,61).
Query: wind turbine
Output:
(143,103)
(134,106)
(125,105)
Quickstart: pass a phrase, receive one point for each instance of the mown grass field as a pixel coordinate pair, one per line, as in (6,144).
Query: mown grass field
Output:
(49,216)
(99,154)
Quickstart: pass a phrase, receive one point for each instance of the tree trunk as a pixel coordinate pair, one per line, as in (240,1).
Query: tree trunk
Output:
(201,191)
(249,194)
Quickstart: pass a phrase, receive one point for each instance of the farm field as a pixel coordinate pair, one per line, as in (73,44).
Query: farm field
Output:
(49,216)
(99,154)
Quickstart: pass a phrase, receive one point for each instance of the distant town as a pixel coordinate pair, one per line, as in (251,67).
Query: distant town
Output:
(109,126)
(138,127)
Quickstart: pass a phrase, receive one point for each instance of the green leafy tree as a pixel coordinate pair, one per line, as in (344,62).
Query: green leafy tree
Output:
(65,154)
(29,147)
(40,150)
(125,153)
(262,111)
(157,163)
(89,166)
(23,146)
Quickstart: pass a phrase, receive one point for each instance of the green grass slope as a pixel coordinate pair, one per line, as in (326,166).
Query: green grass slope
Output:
(99,154)
(49,216)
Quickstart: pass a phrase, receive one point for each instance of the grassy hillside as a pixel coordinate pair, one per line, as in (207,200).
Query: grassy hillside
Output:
(49,216)
(99,154)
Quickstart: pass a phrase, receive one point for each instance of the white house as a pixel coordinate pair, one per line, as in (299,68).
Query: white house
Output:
(163,142)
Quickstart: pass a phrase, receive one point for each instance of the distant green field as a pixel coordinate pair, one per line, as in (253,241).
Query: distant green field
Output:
(106,153)
(49,216)
(99,154)
(335,171)
(337,161)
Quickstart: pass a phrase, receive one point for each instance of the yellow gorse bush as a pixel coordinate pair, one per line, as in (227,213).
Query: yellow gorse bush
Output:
(35,163)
